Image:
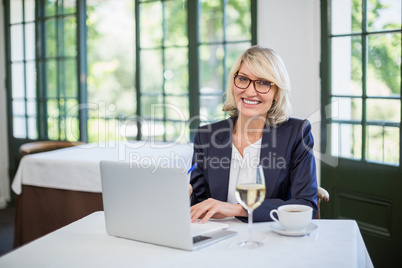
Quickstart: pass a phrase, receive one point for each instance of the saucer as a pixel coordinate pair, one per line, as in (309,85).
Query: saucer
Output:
(280,230)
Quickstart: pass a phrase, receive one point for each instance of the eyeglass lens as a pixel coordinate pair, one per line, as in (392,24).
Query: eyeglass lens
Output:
(259,85)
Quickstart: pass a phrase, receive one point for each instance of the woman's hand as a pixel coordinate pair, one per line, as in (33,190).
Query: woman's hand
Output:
(212,208)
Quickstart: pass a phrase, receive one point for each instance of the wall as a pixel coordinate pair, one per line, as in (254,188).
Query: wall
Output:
(292,28)
(4,179)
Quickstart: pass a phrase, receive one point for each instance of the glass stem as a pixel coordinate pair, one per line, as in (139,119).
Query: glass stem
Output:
(250,224)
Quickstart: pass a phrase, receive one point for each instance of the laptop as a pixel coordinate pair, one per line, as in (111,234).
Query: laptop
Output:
(152,204)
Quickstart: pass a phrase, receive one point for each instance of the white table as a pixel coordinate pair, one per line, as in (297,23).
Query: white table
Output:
(84,243)
(70,179)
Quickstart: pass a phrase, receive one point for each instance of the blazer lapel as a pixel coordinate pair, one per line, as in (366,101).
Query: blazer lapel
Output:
(273,155)
(220,158)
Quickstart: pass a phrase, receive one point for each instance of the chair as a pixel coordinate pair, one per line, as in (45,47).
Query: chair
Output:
(45,146)
(323,196)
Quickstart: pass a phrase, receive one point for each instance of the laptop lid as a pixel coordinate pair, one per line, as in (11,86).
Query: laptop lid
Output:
(150,204)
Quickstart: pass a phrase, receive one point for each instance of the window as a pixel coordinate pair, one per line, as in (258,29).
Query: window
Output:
(22,64)
(98,70)
(364,51)
(44,70)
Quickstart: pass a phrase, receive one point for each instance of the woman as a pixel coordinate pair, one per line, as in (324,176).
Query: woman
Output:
(259,131)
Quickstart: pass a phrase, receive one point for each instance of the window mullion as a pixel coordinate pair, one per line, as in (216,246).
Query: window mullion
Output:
(41,73)
(137,68)
(364,78)
(81,58)
(163,66)
(193,65)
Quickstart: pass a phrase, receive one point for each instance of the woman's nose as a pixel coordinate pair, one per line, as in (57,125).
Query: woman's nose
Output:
(250,90)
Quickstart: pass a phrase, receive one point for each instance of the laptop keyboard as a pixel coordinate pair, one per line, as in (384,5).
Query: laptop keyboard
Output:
(199,238)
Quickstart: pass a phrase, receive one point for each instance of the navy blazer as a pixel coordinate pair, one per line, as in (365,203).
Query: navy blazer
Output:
(286,156)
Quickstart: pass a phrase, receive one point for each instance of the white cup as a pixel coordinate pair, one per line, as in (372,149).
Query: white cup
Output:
(293,217)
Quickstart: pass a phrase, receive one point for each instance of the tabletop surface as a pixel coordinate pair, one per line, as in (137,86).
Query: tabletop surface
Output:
(85,243)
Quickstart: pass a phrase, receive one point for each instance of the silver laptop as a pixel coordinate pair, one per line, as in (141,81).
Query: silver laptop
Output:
(152,205)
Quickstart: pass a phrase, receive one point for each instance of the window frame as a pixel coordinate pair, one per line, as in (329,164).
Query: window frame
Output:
(326,85)
(81,65)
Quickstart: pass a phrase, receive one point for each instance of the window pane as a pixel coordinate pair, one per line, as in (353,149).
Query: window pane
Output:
(346,66)
(384,14)
(96,130)
(346,109)
(238,20)
(233,53)
(151,24)
(31,79)
(152,129)
(128,129)
(51,41)
(384,110)
(62,128)
(30,41)
(176,23)
(17,42)
(50,7)
(19,127)
(383,144)
(391,145)
(70,37)
(346,16)
(111,54)
(69,7)
(151,71)
(346,140)
(71,107)
(176,71)
(19,107)
(16,11)
(211,108)
(211,68)
(177,132)
(177,108)
(18,82)
(51,71)
(211,21)
(53,128)
(72,129)
(384,65)
(29,10)
(32,128)
(53,108)
(31,108)
(71,78)
(152,107)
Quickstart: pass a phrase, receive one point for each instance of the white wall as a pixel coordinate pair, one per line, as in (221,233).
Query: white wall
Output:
(4,180)
(292,28)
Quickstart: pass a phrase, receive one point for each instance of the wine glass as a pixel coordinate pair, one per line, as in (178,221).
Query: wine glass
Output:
(250,196)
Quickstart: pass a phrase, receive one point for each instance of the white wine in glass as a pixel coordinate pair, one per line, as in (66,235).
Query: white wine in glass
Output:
(250,196)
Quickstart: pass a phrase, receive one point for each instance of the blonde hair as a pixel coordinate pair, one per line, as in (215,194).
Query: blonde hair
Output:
(266,64)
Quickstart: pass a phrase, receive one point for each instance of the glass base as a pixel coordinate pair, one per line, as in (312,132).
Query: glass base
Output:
(250,244)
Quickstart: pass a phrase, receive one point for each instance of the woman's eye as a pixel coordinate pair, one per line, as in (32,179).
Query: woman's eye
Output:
(243,79)
(263,83)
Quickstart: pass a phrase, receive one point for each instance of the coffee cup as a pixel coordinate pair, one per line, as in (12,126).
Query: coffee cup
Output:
(293,217)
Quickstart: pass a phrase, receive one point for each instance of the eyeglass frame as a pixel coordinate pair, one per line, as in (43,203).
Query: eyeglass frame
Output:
(249,82)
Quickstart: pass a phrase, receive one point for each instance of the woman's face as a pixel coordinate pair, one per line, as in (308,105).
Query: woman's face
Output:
(249,102)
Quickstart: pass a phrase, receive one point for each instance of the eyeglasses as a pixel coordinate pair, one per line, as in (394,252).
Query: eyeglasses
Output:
(260,86)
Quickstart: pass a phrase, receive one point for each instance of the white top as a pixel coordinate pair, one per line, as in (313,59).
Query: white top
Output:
(243,169)
(85,243)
